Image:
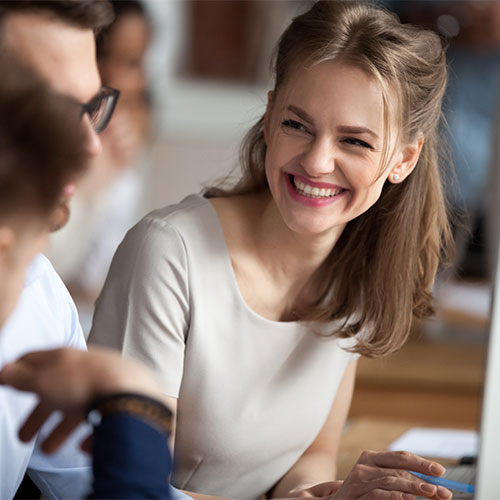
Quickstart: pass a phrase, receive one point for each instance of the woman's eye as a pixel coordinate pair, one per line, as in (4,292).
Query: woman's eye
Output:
(295,125)
(357,142)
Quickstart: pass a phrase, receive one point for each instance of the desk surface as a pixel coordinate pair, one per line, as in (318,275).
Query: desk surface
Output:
(371,434)
(433,382)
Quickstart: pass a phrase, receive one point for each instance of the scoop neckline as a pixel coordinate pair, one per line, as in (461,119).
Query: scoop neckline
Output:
(234,281)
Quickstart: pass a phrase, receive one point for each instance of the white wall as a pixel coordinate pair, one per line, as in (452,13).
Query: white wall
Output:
(201,126)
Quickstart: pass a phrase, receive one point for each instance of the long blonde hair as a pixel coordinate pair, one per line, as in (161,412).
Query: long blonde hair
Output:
(379,275)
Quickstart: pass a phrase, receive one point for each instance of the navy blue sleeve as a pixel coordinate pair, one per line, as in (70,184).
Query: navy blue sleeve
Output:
(131,459)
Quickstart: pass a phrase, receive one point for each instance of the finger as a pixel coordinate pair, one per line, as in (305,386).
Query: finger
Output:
(379,494)
(19,375)
(403,460)
(335,486)
(442,494)
(326,489)
(60,433)
(414,486)
(369,477)
(39,358)
(375,473)
(33,423)
(87,443)
(305,494)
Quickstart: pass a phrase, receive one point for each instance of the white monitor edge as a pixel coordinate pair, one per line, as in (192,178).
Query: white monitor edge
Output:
(488,478)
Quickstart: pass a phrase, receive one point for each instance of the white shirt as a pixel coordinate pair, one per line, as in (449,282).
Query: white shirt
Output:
(45,318)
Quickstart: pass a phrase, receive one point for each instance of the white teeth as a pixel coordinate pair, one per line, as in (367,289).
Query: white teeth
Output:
(314,192)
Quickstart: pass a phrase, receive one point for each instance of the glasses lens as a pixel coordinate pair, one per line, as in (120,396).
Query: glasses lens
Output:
(100,109)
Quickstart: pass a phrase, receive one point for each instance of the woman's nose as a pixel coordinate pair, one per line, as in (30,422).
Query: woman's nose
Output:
(319,159)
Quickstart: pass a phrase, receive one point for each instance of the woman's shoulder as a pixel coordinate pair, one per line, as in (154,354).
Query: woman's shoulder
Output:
(191,225)
(238,214)
(187,216)
(189,210)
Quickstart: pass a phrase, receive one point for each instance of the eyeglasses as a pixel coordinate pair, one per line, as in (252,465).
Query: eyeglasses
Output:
(100,108)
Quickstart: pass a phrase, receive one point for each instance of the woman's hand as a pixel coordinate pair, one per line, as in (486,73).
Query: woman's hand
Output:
(321,490)
(385,475)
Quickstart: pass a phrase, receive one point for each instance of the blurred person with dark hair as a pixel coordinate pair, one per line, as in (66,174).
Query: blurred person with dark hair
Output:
(112,197)
(55,39)
(42,148)
(50,138)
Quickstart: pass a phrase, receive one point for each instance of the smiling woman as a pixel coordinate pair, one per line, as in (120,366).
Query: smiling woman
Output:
(356,110)
(254,301)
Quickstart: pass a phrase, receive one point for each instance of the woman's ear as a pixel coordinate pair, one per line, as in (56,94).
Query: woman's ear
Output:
(267,115)
(408,161)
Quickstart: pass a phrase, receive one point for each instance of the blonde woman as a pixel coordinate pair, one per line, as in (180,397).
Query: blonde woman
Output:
(253,302)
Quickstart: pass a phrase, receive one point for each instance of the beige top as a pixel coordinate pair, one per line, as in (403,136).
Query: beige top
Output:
(252,393)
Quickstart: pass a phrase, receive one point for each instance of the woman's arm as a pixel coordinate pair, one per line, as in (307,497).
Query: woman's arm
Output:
(375,475)
(318,463)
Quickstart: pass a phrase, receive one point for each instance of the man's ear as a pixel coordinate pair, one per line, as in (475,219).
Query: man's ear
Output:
(267,115)
(408,161)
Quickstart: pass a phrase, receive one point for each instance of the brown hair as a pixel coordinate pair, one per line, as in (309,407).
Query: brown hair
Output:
(42,142)
(120,8)
(379,275)
(87,14)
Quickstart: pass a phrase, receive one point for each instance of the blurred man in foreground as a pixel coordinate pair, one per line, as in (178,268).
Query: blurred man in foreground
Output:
(42,149)
(56,40)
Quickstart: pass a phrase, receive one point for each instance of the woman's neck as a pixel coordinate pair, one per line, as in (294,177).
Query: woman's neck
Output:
(273,265)
(288,255)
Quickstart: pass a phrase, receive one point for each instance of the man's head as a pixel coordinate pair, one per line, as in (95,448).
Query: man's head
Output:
(42,148)
(57,39)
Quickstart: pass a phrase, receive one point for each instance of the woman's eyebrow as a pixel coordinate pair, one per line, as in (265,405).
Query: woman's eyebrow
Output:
(346,129)
(301,113)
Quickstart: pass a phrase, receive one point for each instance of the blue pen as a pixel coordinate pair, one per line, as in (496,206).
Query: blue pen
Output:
(451,485)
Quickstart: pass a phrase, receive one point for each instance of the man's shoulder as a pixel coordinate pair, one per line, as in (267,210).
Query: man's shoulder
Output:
(45,316)
(38,269)
(43,282)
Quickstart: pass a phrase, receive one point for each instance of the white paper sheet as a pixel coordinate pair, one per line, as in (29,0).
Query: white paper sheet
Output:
(469,298)
(439,443)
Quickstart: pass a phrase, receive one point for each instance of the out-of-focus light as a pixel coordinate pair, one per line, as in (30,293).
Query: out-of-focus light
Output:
(448,25)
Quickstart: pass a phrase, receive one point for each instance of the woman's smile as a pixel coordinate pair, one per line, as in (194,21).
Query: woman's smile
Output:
(312,193)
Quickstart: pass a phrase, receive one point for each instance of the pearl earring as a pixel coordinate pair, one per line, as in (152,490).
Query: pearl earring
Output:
(395,177)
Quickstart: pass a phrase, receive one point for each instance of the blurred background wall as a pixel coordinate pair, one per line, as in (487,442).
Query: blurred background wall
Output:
(211,76)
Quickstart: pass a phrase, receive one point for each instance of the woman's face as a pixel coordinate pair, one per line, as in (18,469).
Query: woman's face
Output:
(324,131)
(123,65)
(18,248)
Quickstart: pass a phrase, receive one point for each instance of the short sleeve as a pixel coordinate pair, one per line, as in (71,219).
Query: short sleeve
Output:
(143,309)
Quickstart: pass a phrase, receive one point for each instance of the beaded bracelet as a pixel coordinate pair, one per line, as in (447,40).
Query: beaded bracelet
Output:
(141,406)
